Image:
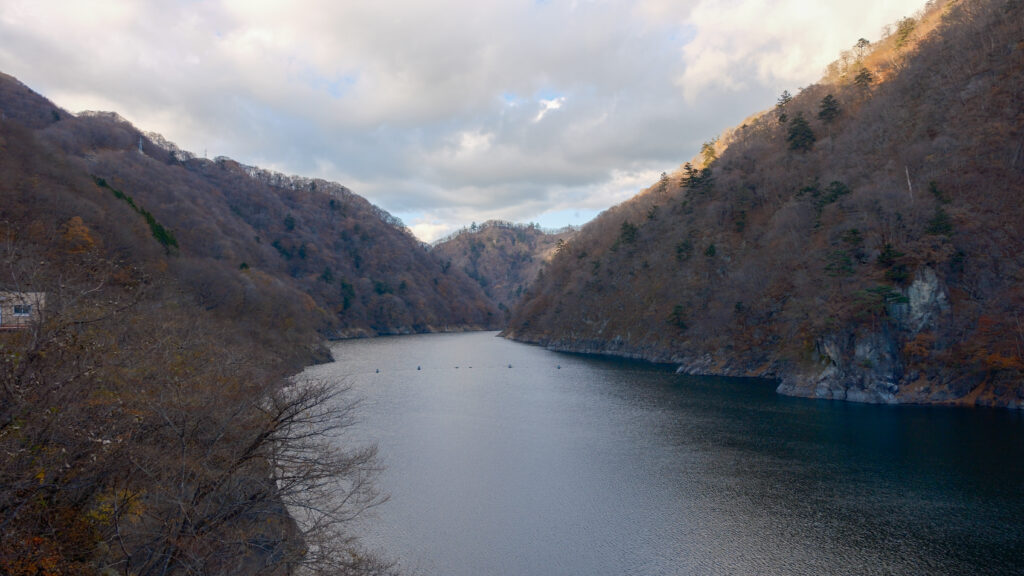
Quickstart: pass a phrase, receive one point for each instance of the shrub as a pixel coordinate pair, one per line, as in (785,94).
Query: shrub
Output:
(684,250)
(678,317)
(940,224)
(838,263)
(627,232)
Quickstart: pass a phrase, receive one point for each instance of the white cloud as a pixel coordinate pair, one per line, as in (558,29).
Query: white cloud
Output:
(509,110)
(775,42)
(473,143)
(429,230)
(547,106)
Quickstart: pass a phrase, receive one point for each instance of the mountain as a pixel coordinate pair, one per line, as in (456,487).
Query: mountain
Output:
(148,424)
(503,257)
(860,241)
(236,228)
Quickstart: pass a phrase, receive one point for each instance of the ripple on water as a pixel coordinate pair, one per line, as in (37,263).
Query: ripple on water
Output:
(568,464)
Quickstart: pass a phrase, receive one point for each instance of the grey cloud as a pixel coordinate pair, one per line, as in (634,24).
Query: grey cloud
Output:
(409,102)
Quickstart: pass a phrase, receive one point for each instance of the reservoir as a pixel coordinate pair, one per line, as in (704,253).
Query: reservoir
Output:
(508,459)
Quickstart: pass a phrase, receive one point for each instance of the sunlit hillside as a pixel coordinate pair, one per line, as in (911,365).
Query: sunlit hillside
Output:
(860,240)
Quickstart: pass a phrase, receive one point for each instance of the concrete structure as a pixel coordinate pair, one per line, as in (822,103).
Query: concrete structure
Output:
(20,309)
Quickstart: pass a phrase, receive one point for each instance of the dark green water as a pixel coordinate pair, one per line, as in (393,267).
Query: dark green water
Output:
(566,464)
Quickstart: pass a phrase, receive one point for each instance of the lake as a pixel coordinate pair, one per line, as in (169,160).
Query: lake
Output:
(508,459)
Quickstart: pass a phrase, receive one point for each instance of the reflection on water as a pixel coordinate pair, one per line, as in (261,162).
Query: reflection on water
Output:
(566,464)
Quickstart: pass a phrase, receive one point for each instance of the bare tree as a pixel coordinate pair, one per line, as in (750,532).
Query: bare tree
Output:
(142,435)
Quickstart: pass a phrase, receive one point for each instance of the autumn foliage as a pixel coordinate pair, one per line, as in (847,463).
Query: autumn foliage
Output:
(879,206)
(147,425)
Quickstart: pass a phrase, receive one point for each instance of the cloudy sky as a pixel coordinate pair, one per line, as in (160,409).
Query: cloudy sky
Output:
(443,112)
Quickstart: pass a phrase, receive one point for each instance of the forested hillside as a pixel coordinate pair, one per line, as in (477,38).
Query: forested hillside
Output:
(146,422)
(233,229)
(501,256)
(861,240)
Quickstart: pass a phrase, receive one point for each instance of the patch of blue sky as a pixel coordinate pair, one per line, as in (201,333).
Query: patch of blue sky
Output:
(547,94)
(512,99)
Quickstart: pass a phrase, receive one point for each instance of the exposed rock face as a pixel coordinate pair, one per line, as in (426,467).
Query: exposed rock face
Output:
(868,366)
(927,301)
(859,368)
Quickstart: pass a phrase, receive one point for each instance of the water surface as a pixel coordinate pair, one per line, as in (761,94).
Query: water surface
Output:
(568,464)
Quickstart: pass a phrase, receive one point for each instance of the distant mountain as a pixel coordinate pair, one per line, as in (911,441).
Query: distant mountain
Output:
(860,241)
(504,258)
(241,232)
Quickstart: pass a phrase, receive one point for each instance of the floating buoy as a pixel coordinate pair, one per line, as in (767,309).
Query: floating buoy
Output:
(509,365)
(378,370)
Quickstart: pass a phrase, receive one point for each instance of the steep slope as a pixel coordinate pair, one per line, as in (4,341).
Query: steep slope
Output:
(179,294)
(235,227)
(504,258)
(861,241)
(140,409)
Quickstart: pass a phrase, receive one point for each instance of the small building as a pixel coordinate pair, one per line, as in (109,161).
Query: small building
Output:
(20,309)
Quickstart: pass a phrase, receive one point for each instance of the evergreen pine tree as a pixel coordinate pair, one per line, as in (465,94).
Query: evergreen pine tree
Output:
(780,106)
(828,109)
(800,136)
(864,79)
(707,151)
